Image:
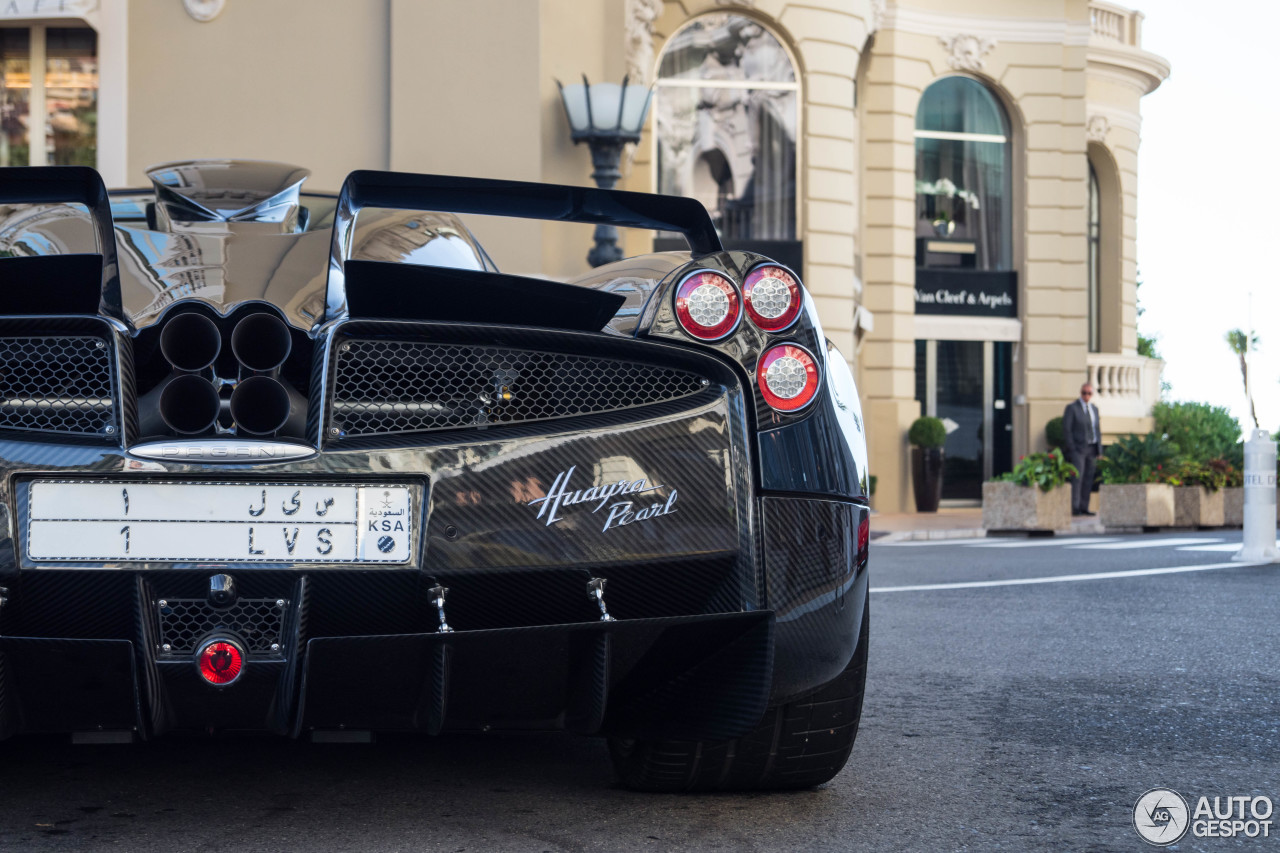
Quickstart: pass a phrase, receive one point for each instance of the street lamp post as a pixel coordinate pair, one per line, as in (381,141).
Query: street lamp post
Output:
(606,116)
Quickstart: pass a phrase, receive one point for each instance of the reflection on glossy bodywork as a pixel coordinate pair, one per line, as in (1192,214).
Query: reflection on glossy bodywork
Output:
(227,191)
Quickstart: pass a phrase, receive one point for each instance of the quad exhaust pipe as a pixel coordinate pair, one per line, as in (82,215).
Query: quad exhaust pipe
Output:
(261,342)
(190,342)
(261,405)
(188,403)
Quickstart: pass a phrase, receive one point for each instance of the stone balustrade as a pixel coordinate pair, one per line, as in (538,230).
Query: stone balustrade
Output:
(1125,386)
(1115,23)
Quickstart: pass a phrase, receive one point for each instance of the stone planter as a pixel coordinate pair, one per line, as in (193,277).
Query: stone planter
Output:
(1136,505)
(1196,506)
(1009,506)
(1233,507)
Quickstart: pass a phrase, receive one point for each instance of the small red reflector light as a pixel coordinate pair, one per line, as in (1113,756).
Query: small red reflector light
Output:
(708,306)
(772,296)
(220,662)
(788,377)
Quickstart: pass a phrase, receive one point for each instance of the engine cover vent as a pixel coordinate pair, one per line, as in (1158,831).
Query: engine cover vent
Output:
(58,384)
(389,387)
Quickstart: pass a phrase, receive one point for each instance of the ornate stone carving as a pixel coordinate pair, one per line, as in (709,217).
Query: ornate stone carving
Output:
(968,52)
(1097,127)
(878,9)
(640,16)
(204,10)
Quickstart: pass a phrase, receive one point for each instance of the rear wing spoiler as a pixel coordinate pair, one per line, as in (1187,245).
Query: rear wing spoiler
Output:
(30,285)
(517,199)
(86,283)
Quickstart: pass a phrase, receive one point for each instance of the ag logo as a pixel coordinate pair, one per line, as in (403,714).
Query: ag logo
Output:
(1161,817)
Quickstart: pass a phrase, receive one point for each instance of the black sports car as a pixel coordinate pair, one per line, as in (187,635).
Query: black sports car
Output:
(279,461)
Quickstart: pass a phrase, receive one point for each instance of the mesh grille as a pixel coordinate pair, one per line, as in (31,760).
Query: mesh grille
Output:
(185,622)
(55,384)
(390,386)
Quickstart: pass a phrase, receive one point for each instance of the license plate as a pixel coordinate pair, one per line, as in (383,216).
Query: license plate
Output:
(218,522)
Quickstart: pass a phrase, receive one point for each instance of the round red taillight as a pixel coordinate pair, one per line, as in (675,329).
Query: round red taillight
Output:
(788,377)
(708,306)
(220,661)
(773,297)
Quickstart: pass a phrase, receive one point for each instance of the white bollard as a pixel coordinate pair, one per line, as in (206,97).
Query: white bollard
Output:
(1259,500)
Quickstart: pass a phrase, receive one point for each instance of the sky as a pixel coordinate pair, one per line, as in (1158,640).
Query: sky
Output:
(1209,200)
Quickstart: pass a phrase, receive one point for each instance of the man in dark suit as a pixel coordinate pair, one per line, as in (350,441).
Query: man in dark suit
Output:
(1082,440)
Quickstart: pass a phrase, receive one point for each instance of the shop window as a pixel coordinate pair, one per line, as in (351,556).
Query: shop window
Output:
(963,186)
(50,117)
(726,111)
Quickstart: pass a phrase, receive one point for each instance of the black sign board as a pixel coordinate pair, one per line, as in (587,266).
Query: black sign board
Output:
(966,293)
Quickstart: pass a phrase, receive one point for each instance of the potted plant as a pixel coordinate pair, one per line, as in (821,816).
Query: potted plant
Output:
(1053,433)
(1197,496)
(1035,495)
(927,436)
(1137,490)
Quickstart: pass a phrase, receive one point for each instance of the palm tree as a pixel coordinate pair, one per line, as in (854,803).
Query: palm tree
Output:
(1242,344)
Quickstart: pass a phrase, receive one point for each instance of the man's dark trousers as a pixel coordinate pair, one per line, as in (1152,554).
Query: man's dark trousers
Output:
(1085,459)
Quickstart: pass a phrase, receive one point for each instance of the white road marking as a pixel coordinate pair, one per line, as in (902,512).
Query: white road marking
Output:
(916,543)
(1145,543)
(1038,543)
(1134,573)
(1224,546)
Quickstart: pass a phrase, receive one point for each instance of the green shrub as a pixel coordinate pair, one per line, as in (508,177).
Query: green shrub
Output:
(1202,432)
(927,433)
(1139,459)
(872,488)
(1053,432)
(1212,475)
(1046,470)
(1232,474)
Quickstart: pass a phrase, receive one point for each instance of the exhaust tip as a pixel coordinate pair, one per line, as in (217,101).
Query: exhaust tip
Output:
(260,405)
(189,404)
(261,342)
(190,342)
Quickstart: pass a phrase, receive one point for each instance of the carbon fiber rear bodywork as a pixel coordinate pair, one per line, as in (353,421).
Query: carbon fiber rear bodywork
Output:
(610,532)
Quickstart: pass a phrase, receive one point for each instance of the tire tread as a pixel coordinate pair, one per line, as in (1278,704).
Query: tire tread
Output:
(798,745)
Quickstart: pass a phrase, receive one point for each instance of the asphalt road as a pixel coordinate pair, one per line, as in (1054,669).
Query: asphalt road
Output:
(1019,717)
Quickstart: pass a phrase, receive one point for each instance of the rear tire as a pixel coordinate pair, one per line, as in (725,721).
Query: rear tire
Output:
(798,745)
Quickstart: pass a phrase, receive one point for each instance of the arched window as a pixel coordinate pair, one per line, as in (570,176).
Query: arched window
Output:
(726,120)
(963,184)
(1095,262)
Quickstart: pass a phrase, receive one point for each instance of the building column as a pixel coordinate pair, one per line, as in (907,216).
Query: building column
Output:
(891,91)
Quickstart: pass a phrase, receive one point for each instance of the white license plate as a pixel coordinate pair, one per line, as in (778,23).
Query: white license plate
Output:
(220,522)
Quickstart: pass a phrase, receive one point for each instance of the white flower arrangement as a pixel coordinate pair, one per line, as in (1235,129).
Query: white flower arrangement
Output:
(946,188)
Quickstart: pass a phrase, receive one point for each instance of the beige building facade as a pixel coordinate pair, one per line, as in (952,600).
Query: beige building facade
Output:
(956,182)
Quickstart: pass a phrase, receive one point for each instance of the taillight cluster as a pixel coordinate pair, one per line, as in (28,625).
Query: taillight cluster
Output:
(709,307)
(788,377)
(773,298)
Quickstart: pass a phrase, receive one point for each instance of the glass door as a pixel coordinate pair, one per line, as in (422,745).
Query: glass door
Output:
(967,384)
